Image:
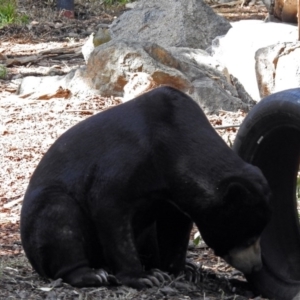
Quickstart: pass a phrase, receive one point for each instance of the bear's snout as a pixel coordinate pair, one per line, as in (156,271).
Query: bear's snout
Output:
(245,259)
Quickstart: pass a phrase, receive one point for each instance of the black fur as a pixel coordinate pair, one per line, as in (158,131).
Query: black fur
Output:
(119,191)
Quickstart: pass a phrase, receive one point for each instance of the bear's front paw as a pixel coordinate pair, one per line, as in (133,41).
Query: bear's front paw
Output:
(155,278)
(86,277)
(142,280)
(105,278)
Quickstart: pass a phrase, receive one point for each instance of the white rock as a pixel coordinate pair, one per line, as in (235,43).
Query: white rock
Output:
(236,50)
(278,68)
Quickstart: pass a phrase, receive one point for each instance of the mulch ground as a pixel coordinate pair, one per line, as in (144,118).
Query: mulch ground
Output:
(49,45)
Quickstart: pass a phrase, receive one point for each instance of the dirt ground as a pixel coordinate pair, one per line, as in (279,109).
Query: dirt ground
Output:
(50,44)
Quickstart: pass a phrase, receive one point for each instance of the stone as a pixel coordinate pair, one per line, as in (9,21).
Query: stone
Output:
(236,50)
(102,36)
(209,77)
(112,64)
(286,10)
(127,69)
(178,23)
(34,84)
(283,10)
(32,87)
(138,83)
(134,67)
(88,47)
(278,67)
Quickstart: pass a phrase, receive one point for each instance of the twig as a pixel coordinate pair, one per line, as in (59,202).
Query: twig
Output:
(226,126)
(13,203)
(89,111)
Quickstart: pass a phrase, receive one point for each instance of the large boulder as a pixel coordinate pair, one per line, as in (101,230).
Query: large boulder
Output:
(177,23)
(111,66)
(286,10)
(236,50)
(135,67)
(126,69)
(278,67)
(282,10)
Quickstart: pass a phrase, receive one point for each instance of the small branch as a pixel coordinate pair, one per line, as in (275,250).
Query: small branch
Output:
(12,203)
(226,126)
(86,111)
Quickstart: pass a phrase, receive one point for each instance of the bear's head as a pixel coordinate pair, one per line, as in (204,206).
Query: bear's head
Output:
(233,223)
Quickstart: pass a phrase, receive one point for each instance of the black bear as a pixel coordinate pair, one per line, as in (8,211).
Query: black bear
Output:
(114,198)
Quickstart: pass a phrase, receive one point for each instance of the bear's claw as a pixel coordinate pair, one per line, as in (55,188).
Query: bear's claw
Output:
(192,272)
(102,276)
(155,278)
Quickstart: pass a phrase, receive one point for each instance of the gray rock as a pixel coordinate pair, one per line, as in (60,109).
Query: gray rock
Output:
(278,68)
(177,23)
(111,65)
(136,67)
(209,77)
(127,69)
(102,36)
(32,87)
(34,84)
